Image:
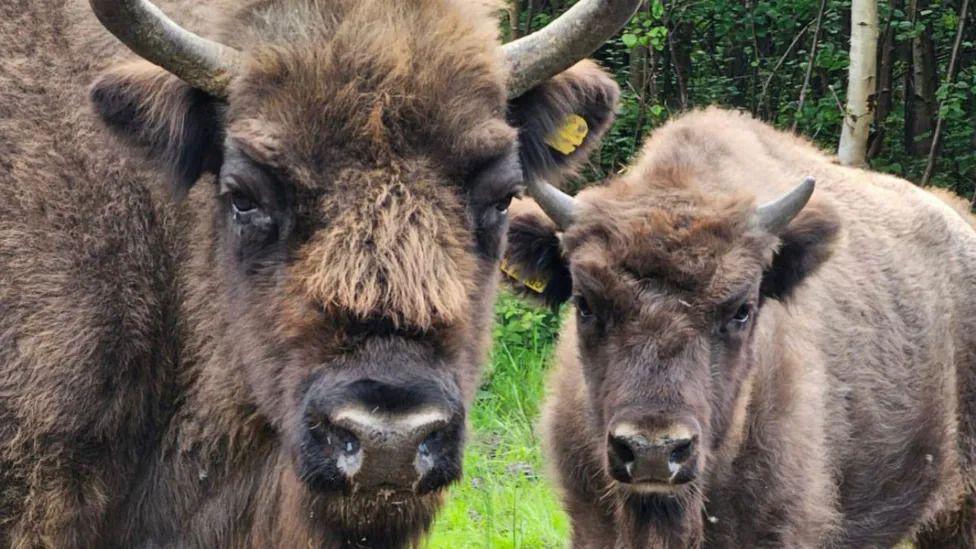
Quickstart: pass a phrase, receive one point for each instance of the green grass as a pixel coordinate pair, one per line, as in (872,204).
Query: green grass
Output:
(505,499)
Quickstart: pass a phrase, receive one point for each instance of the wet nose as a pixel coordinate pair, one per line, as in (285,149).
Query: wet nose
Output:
(364,446)
(667,455)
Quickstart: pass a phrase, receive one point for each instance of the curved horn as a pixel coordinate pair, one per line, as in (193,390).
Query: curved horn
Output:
(559,206)
(140,25)
(776,215)
(573,36)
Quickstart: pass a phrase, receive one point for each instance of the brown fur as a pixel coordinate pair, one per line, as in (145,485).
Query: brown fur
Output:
(842,417)
(154,354)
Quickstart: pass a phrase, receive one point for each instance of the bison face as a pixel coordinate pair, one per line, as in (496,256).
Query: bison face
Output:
(668,289)
(356,299)
(345,253)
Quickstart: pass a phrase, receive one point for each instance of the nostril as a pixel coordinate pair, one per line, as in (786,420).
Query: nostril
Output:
(437,460)
(622,450)
(335,441)
(351,445)
(330,455)
(432,443)
(682,451)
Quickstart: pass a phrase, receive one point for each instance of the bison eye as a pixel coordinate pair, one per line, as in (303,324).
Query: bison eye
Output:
(242,204)
(582,307)
(741,317)
(502,205)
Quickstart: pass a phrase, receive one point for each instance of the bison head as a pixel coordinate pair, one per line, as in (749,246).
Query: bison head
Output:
(667,283)
(364,155)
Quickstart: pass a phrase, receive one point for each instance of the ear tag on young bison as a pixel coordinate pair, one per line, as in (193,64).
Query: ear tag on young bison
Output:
(536,285)
(570,135)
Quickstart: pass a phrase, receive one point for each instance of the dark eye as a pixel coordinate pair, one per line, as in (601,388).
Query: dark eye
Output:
(502,205)
(741,317)
(582,307)
(242,204)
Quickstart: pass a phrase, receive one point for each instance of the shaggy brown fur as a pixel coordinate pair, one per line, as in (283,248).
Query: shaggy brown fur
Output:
(843,414)
(155,352)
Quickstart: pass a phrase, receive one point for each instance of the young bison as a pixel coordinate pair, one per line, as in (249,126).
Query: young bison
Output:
(789,375)
(282,355)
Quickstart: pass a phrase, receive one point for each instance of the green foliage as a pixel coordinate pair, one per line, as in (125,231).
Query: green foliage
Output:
(647,28)
(723,52)
(504,500)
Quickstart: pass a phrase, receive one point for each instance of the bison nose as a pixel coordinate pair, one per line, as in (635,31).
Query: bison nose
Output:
(667,455)
(400,450)
(356,448)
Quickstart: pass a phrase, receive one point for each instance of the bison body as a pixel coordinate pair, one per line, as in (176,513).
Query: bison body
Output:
(264,329)
(725,385)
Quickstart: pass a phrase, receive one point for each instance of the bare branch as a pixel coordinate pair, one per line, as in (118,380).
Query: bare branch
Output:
(772,73)
(840,106)
(936,137)
(812,59)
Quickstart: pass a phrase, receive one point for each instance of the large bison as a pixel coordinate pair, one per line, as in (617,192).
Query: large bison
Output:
(789,374)
(267,331)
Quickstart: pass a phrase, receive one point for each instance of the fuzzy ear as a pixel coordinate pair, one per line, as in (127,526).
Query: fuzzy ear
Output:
(533,262)
(561,121)
(806,244)
(172,123)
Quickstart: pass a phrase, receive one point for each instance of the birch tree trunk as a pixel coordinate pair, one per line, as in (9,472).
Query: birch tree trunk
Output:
(852,150)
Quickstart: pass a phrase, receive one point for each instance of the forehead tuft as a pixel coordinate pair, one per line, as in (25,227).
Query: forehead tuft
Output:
(677,237)
(393,251)
(370,78)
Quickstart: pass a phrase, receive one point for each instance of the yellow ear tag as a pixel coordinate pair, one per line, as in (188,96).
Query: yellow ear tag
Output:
(570,135)
(536,285)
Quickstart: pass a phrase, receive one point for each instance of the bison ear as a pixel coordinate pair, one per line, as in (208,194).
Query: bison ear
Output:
(562,120)
(533,262)
(806,244)
(172,123)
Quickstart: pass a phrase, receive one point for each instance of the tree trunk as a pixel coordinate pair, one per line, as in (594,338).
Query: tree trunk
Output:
(852,150)
(643,70)
(643,65)
(679,39)
(530,15)
(921,83)
(886,68)
(514,10)
(641,62)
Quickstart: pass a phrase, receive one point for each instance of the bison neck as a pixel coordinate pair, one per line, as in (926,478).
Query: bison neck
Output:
(774,448)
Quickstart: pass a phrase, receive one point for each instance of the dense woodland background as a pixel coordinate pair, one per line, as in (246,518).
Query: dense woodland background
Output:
(786,62)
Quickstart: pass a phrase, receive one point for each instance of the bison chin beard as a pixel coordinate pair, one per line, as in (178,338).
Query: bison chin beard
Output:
(359,520)
(379,520)
(668,521)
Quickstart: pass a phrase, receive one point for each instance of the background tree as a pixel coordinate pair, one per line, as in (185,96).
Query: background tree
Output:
(937,138)
(858,115)
(781,59)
